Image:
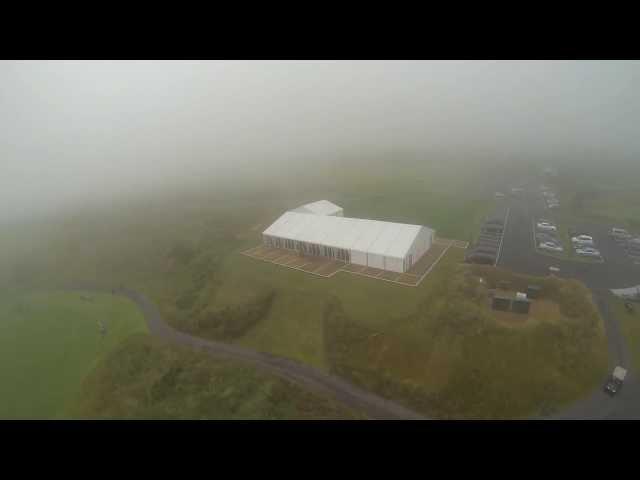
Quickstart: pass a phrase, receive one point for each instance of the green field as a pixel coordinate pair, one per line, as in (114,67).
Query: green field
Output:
(49,342)
(630,326)
(610,196)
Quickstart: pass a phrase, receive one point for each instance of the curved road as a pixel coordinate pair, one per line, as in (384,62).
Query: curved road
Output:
(519,254)
(374,406)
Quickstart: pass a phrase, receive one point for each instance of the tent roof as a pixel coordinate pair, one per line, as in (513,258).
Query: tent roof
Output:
(321,207)
(372,236)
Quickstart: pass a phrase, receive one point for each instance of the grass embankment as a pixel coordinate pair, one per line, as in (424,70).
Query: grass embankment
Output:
(438,348)
(146,378)
(49,342)
(454,358)
(630,326)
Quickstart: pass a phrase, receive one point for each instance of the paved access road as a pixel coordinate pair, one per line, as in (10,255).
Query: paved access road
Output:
(519,254)
(374,406)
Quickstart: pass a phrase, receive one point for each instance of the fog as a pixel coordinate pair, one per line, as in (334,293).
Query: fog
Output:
(89,131)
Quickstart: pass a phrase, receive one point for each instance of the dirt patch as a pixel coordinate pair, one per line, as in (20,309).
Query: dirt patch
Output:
(286,259)
(330,268)
(298,262)
(374,272)
(408,279)
(352,267)
(392,276)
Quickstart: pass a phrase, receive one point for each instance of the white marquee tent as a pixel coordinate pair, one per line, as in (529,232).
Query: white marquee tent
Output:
(373,243)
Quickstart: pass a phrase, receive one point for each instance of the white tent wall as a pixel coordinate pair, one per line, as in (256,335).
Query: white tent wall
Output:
(375,260)
(358,257)
(394,264)
(420,245)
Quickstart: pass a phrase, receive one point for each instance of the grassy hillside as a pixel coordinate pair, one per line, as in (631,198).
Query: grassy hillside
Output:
(437,348)
(50,341)
(147,379)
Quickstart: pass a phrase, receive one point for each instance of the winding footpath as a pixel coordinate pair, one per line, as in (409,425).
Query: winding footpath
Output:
(374,406)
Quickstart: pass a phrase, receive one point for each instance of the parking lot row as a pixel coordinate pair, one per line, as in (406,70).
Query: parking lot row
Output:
(546,239)
(486,248)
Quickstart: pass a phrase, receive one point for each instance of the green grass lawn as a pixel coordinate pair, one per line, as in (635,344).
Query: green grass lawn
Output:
(50,341)
(630,326)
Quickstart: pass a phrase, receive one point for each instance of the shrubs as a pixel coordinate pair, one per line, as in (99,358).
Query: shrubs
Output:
(173,382)
(452,358)
(233,322)
(203,271)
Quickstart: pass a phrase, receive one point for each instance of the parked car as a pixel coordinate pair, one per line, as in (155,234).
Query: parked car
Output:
(546,226)
(583,238)
(582,241)
(619,233)
(614,384)
(553,205)
(551,246)
(588,252)
(491,229)
(633,244)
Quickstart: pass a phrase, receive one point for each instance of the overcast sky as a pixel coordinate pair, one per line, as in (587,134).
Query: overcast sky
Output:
(76,130)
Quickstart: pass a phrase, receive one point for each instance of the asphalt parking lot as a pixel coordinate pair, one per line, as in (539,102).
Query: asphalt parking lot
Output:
(519,252)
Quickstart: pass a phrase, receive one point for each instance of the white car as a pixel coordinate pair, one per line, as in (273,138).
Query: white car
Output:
(582,237)
(588,252)
(546,226)
(582,240)
(554,247)
(619,234)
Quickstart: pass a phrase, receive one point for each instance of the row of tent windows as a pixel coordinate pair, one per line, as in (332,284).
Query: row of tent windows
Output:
(308,248)
(312,249)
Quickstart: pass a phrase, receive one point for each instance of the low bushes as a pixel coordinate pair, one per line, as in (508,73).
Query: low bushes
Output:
(234,321)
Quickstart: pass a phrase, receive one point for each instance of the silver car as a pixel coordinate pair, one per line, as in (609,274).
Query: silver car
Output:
(551,246)
(588,252)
